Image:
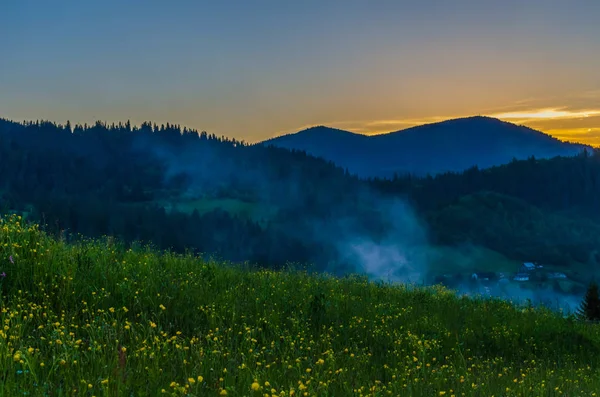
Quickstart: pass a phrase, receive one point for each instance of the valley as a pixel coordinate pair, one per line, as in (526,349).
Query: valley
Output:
(180,189)
(285,270)
(299,199)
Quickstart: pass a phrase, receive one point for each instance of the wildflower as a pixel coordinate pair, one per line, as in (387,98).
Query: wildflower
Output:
(2,274)
(255,386)
(10,258)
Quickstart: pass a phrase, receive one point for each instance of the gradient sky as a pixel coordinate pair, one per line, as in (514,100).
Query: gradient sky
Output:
(256,69)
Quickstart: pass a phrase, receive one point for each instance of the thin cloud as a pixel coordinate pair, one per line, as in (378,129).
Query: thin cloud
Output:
(405,122)
(576,132)
(568,124)
(550,113)
(578,121)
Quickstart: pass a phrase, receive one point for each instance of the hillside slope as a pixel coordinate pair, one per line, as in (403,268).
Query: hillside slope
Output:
(96,318)
(452,145)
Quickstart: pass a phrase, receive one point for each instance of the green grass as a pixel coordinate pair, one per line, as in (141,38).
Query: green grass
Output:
(97,319)
(467,260)
(258,212)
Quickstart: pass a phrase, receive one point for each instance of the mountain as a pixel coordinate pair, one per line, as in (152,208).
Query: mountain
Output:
(452,145)
(179,189)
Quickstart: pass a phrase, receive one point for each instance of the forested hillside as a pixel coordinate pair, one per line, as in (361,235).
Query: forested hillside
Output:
(545,209)
(181,189)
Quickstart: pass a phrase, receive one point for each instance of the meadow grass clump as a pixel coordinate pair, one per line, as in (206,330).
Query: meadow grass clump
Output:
(95,318)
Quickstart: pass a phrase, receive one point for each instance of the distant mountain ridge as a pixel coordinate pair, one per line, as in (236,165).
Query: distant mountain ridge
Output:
(451,145)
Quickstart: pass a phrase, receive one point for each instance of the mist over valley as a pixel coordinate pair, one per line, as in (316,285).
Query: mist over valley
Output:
(274,207)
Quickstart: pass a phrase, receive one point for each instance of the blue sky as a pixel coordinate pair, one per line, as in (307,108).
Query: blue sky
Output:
(256,69)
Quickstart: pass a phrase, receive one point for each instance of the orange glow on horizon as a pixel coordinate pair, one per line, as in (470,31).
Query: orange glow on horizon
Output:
(547,114)
(580,125)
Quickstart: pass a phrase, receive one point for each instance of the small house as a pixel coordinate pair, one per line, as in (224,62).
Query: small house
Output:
(527,267)
(521,277)
(557,275)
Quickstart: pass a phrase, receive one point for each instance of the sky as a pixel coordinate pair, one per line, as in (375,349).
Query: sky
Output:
(257,69)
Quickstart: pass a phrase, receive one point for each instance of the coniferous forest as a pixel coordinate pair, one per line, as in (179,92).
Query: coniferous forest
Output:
(183,190)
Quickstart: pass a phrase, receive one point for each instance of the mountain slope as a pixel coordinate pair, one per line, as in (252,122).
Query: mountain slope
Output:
(329,143)
(452,145)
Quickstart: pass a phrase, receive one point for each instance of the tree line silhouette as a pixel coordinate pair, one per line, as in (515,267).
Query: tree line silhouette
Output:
(114,180)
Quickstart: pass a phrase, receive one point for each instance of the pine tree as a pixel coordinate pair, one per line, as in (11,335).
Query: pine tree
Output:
(590,307)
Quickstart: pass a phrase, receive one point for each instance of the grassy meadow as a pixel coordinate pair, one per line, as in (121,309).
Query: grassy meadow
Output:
(258,212)
(99,319)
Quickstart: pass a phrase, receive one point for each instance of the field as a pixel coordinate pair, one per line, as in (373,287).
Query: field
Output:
(99,319)
(468,260)
(258,212)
